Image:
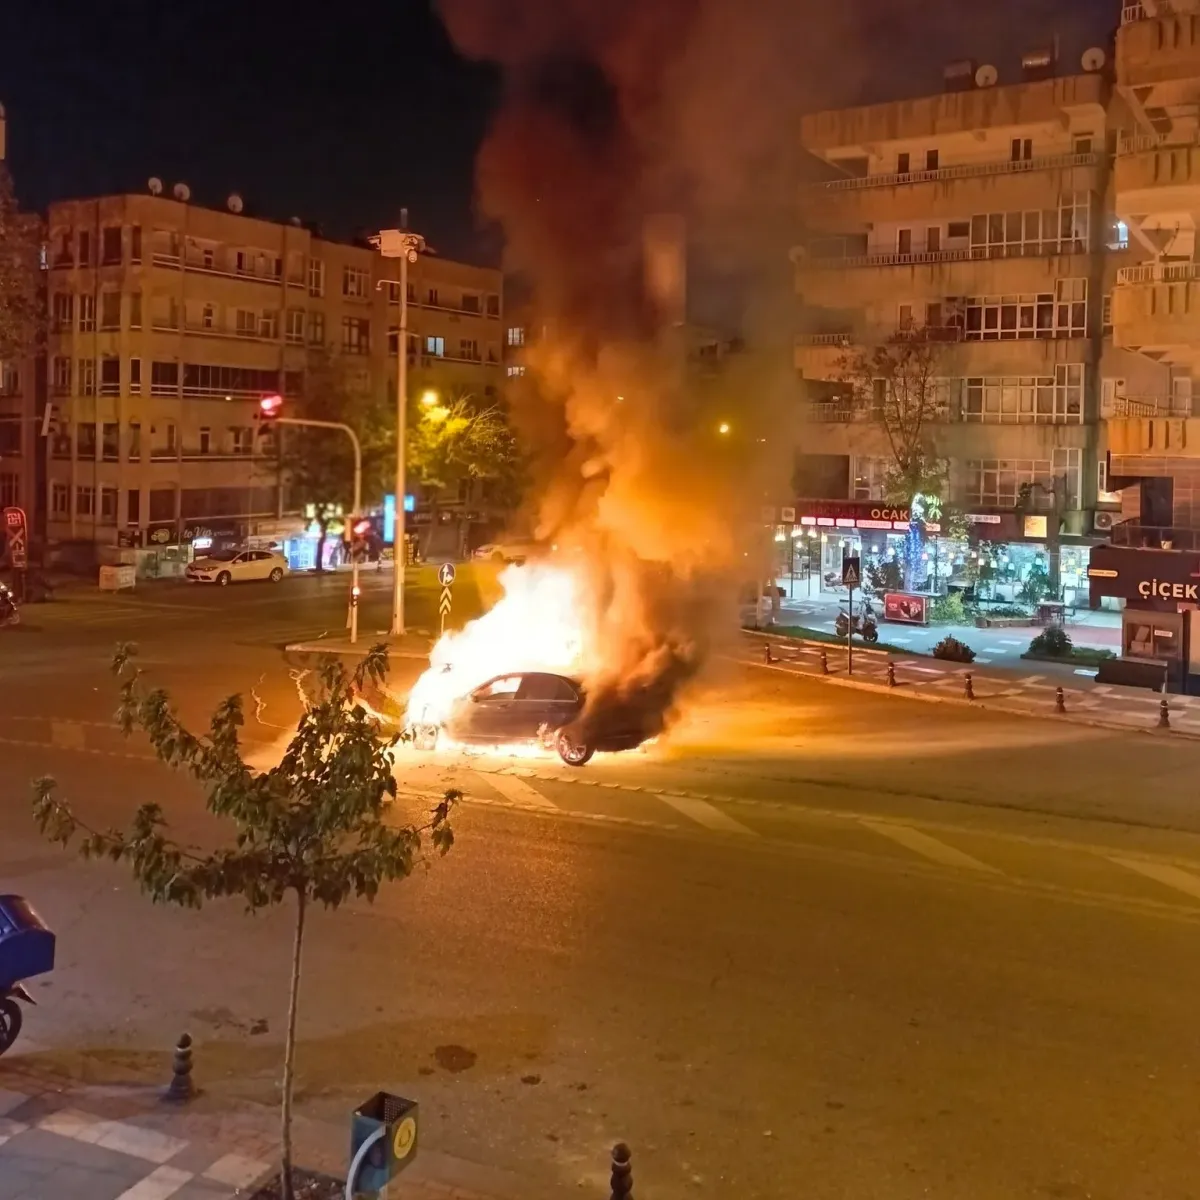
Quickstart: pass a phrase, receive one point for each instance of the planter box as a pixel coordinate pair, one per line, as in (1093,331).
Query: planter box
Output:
(1005,623)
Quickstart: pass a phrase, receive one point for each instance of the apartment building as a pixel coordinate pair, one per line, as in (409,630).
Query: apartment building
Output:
(170,321)
(1005,221)
(18,420)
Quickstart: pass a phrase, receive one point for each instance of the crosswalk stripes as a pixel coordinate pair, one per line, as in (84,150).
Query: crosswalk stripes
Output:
(1164,873)
(517,790)
(928,847)
(706,814)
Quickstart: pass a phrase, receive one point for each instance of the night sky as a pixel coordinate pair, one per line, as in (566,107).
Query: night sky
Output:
(343,118)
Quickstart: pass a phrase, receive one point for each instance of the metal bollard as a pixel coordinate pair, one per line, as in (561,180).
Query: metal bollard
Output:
(968,687)
(181,1088)
(891,674)
(1060,703)
(767,654)
(824,662)
(622,1173)
(1164,714)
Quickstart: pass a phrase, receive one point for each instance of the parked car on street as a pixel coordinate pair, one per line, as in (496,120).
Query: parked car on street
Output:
(508,552)
(237,566)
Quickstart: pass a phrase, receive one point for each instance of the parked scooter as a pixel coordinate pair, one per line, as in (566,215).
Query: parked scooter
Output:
(865,625)
(26,949)
(10,614)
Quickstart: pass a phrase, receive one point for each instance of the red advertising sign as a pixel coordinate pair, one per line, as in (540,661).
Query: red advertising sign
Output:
(906,608)
(16,529)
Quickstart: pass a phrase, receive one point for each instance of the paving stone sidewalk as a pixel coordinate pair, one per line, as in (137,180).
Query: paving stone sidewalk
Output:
(66,1141)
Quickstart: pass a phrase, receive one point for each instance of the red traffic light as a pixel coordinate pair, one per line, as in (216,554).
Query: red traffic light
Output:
(361,527)
(270,406)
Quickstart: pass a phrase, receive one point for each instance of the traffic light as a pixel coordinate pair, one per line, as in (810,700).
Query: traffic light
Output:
(270,407)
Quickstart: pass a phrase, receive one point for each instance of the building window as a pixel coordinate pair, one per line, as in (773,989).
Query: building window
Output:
(164,379)
(356,335)
(87,376)
(110,375)
(316,329)
(316,277)
(468,348)
(162,504)
(60,499)
(110,310)
(516,335)
(295,326)
(133,506)
(64,255)
(1061,313)
(514,371)
(135,448)
(931,160)
(356,282)
(1033,400)
(85,446)
(435,346)
(10,489)
(996,483)
(1067,465)
(870,477)
(493,305)
(902,163)
(208,317)
(85,500)
(63,311)
(470,303)
(431,297)
(243,439)
(933,239)
(268,326)
(904,316)
(85,248)
(903,241)
(1103,495)
(1082,143)
(87,313)
(246,323)
(135,376)
(205,440)
(10,380)
(1106,313)
(135,243)
(135,310)
(110,441)
(110,245)
(1021,149)
(1061,230)
(61,375)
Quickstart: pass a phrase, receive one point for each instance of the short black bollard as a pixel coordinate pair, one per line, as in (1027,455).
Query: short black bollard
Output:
(891,674)
(824,662)
(1060,703)
(968,687)
(622,1173)
(767,654)
(181,1087)
(1164,714)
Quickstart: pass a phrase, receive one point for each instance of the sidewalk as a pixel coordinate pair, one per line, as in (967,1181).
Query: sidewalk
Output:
(61,1140)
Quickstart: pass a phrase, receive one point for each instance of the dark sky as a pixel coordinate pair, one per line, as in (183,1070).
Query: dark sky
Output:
(343,117)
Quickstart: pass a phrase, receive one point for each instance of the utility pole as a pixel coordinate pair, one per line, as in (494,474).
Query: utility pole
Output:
(406,246)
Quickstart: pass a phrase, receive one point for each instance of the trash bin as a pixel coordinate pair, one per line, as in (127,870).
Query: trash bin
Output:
(26,943)
(393,1149)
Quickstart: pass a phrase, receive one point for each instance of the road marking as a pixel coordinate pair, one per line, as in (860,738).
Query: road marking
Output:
(517,790)
(67,735)
(706,814)
(1010,642)
(899,640)
(1090,672)
(928,847)
(909,666)
(983,660)
(1164,873)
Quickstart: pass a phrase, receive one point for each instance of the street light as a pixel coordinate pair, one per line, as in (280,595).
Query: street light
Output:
(429,398)
(406,246)
(723,428)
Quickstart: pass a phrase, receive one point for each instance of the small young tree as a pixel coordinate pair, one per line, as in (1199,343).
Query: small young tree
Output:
(1056,492)
(21,310)
(897,385)
(313,828)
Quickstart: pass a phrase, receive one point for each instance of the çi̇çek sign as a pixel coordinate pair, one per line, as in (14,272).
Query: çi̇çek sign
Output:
(1165,590)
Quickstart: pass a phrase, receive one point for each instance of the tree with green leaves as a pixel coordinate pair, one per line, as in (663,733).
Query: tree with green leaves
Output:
(318,464)
(21,307)
(314,828)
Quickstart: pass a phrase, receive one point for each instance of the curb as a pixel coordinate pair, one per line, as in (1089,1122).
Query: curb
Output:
(961,702)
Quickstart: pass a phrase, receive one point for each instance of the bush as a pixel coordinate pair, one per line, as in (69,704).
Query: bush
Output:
(948,610)
(1054,641)
(953,650)
(885,576)
(1006,610)
(1036,586)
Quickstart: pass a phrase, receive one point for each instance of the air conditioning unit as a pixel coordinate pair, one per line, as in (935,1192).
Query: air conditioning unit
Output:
(1102,522)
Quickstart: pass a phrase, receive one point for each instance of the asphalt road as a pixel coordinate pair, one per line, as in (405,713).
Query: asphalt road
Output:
(819,942)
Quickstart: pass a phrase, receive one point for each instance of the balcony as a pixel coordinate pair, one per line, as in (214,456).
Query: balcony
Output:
(1146,406)
(1157,43)
(1148,10)
(1159,272)
(840,340)
(1052,162)
(1152,437)
(931,257)
(1154,537)
(1157,174)
(1155,311)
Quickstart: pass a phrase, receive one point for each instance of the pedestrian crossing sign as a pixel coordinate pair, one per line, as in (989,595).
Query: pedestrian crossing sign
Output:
(851,574)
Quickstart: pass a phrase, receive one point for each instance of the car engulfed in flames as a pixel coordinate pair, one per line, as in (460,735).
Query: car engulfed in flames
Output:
(518,679)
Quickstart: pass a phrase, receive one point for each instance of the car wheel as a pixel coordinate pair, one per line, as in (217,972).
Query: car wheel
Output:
(497,557)
(425,737)
(224,579)
(573,753)
(276,575)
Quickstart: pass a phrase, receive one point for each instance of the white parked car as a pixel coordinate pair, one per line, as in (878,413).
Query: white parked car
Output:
(237,566)
(509,552)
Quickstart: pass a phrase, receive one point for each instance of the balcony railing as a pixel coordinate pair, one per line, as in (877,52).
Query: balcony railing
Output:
(1147,406)
(929,257)
(1159,272)
(824,339)
(1147,10)
(1050,162)
(840,412)
(1139,143)
(1155,537)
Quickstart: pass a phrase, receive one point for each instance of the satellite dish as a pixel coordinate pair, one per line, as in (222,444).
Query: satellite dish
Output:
(234,203)
(155,185)
(1093,59)
(299,224)
(412,256)
(986,76)
(182,192)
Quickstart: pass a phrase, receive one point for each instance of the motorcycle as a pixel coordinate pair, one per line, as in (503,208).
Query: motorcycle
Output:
(10,614)
(865,625)
(26,949)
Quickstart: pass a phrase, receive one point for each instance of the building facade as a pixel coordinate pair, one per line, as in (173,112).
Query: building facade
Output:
(168,324)
(1037,233)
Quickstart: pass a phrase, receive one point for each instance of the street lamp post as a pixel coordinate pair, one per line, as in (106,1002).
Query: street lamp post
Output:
(406,246)
(354,593)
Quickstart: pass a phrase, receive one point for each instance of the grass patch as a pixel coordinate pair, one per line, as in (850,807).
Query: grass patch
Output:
(1080,656)
(803,633)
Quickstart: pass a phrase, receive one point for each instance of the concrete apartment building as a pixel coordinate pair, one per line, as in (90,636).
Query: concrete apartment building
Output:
(170,321)
(1039,230)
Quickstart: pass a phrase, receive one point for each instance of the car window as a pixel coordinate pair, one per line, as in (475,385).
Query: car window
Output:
(498,689)
(537,686)
(565,690)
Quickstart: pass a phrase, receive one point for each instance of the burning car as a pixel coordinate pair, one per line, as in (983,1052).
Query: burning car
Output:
(531,708)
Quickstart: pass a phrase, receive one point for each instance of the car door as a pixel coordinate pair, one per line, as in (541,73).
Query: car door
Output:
(536,704)
(490,716)
(241,568)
